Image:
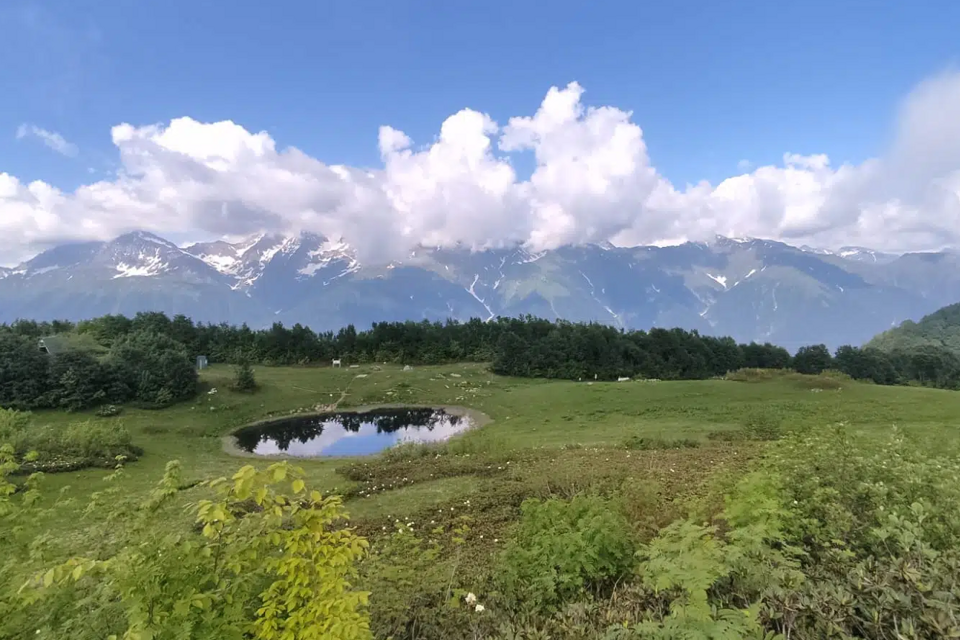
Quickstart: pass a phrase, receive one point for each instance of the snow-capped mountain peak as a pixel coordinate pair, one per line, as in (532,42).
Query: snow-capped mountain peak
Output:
(752,290)
(327,253)
(247,260)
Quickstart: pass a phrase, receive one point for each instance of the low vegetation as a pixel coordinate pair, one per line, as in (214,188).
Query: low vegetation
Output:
(633,509)
(68,447)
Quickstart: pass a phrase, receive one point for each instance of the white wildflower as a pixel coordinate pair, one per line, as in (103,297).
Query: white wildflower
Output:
(480,608)
(471,599)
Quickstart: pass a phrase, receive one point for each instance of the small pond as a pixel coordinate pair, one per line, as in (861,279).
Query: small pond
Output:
(349,433)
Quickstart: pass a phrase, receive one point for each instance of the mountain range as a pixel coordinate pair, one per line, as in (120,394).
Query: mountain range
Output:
(749,289)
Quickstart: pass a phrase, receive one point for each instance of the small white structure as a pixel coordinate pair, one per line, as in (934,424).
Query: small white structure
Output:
(202,362)
(407,368)
(622,379)
(336,363)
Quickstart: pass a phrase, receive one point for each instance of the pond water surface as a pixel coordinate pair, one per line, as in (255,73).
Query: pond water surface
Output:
(349,433)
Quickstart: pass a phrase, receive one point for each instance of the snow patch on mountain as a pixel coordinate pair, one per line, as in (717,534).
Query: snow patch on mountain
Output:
(144,266)
(327,253)
(473,293)
(43,270)
(721,280)
(752,271)
(225,264)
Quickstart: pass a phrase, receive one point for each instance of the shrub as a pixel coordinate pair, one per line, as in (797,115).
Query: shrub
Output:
(562,548)
(835,536)
(244,380)
(12,423)
(65,447)
(269,559)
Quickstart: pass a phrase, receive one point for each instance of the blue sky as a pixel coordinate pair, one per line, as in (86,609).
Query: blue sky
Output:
(710,83)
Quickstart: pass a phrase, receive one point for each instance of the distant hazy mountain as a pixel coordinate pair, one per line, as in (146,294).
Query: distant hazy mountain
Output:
(749,289)
(940,329)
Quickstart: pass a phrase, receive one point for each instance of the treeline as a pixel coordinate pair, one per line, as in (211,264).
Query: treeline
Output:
(406,343)
(542,349)
(525,347)
(147,367)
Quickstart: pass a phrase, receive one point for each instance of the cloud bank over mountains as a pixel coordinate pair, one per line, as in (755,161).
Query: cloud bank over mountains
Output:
(593,180)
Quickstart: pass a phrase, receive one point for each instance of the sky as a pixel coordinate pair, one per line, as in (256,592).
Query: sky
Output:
(394,123)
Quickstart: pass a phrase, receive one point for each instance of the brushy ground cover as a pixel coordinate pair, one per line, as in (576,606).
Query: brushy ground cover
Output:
(595,509)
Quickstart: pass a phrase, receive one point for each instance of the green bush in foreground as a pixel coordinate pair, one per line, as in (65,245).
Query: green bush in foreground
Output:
(563,548)
(835,536)
(270,560)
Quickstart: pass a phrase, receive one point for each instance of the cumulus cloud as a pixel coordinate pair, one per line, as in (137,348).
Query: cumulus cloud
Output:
(592,180)
(50,138)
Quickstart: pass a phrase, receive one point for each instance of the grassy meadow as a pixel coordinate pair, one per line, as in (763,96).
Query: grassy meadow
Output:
(575,424)
(679,444)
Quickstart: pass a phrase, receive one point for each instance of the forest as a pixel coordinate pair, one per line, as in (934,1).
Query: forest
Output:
(150,358)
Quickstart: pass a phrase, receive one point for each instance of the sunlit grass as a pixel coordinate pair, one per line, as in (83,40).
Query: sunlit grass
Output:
(585,423)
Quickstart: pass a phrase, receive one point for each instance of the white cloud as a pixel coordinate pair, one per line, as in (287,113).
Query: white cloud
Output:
(50,138)
(593,180)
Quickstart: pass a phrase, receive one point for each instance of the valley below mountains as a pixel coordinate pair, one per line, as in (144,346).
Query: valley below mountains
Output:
(749,289)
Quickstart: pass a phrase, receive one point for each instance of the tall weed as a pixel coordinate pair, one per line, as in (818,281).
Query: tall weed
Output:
(562,549)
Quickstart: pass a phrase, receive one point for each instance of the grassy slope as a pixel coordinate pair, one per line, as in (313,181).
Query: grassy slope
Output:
(552,432)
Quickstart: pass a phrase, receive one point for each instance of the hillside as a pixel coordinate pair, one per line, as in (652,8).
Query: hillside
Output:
(940,329)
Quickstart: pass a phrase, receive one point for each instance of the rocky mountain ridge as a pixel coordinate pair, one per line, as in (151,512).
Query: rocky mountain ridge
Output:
(747,288)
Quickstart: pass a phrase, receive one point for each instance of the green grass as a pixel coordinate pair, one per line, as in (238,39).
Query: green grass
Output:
(557,435)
